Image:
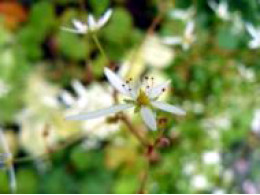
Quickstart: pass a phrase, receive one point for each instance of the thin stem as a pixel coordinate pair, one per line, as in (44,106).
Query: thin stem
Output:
(102,51)
(133,130)
(144,179)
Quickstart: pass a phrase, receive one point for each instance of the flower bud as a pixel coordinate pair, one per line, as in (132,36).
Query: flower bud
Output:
(163,142)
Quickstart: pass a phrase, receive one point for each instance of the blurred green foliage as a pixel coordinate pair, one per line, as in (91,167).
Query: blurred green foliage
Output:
(207,76)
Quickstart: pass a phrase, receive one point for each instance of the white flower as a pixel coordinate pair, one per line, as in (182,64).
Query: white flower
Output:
(142,98)
(255,125)
(181,14)
(211,157)
(220,9)
(94,97)
(186,40)
(255,34)
(199,182)
(91,25)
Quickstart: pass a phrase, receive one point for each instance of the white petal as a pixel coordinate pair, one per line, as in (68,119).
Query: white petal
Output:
(104,19)
(168,108)
(158,90)
(92,22)
(189,28)
(79,25)
(149,117)
(72,30)
(79,88)
(254,44)
(116,82)
(67,98)
(172,40)
(100,113)
(252,30)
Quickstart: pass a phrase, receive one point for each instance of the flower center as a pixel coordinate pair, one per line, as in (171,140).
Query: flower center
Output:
(142,99)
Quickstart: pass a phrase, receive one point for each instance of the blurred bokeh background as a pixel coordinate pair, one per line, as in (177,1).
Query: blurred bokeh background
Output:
(46,73)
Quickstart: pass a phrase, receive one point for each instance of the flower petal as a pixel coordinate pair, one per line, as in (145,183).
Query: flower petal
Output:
(117,82)
(79,88)
(100,113)
(158,90)
(252,30)
(172,40)
(168,108)
(67,98)
(189,28)
(72,30)
(149,117)
(104,19)
(81,27)
(92,22)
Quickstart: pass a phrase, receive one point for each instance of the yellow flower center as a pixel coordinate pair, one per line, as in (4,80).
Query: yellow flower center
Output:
(143,99)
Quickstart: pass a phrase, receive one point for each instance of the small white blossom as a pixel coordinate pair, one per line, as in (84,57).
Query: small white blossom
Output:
(182,14)
(94,97)
(211,157)
(142,98)
(199,182)
(186,40)
(255,34)
(220,9)
(91,25)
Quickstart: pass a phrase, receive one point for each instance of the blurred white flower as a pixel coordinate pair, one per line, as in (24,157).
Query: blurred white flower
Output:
(140,97)
(247,73)
(189,168)
(211,157)
(255,34)
(182,14)
(94,97)
(186,40)
(155,53)
(219,191)
(255,125)
(91,25)
(4,88)
(220,9)
(199,182)
(218,122)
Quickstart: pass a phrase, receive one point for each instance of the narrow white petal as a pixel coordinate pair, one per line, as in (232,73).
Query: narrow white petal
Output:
(104,19)
(100,113)
(172,40)
(168,108)
(91,21)
(81,27)
(252,30)
(67,98)
(117,82)
(158,90)
(189,28)
(254,44)
(79,88)
(71,30)
(149,117)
